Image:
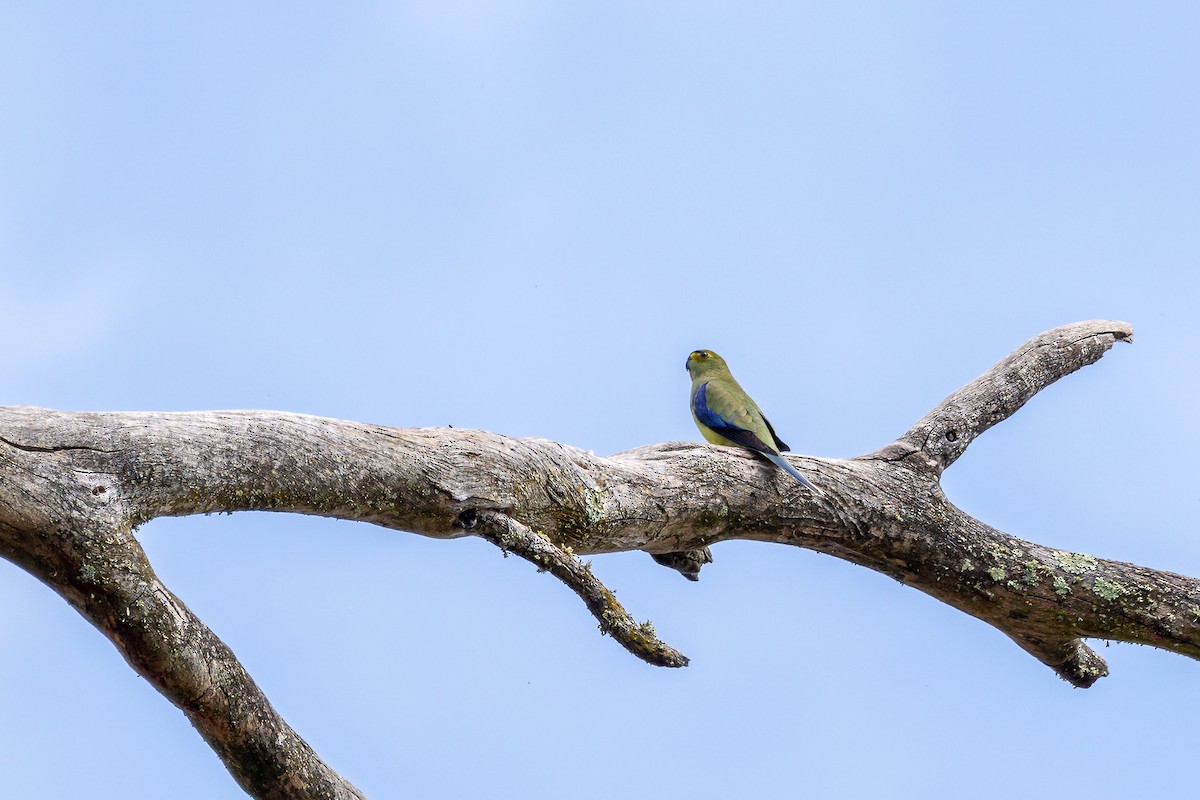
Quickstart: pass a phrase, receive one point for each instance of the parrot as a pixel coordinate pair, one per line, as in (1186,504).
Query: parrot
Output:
(727,416)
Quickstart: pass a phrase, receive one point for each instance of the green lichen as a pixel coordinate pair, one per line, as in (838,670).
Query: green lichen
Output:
(997,573)
(1060,586)
(1034,572)
(1075,563)
(967,565)
(593,506)
(999,552)
(1109,590)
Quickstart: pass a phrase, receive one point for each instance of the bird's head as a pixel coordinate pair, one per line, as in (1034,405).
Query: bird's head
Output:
(705,362)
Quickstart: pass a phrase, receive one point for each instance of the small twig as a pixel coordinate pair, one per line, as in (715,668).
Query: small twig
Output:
(513,537)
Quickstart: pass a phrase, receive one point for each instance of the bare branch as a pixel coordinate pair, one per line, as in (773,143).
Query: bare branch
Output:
(73,486)
(104,574)
(944,434)
(511,536)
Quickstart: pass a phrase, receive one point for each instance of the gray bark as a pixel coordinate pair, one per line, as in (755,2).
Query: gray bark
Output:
(75,486)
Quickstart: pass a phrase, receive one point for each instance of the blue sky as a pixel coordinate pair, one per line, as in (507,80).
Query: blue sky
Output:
(521,217)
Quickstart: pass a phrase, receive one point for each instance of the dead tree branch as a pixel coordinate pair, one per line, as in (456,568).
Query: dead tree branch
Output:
(75,486)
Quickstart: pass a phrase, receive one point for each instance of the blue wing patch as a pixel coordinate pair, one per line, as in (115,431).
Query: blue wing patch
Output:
(720,425)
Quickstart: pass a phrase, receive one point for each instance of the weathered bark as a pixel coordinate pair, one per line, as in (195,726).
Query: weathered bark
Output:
(74,487)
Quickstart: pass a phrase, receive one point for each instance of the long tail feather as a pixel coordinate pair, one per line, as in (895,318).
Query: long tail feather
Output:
(790,470)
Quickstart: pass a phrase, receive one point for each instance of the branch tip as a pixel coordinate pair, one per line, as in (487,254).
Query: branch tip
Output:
(511,536)
(1073,661)
(687,563)
(941,436)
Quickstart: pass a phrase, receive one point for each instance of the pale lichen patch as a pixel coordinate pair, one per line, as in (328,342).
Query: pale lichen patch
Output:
(1075,563)
(1109,590)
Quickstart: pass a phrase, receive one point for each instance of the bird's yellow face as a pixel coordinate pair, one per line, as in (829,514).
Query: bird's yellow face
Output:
(703,360)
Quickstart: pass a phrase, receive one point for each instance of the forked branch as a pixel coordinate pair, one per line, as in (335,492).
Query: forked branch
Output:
(74,487)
